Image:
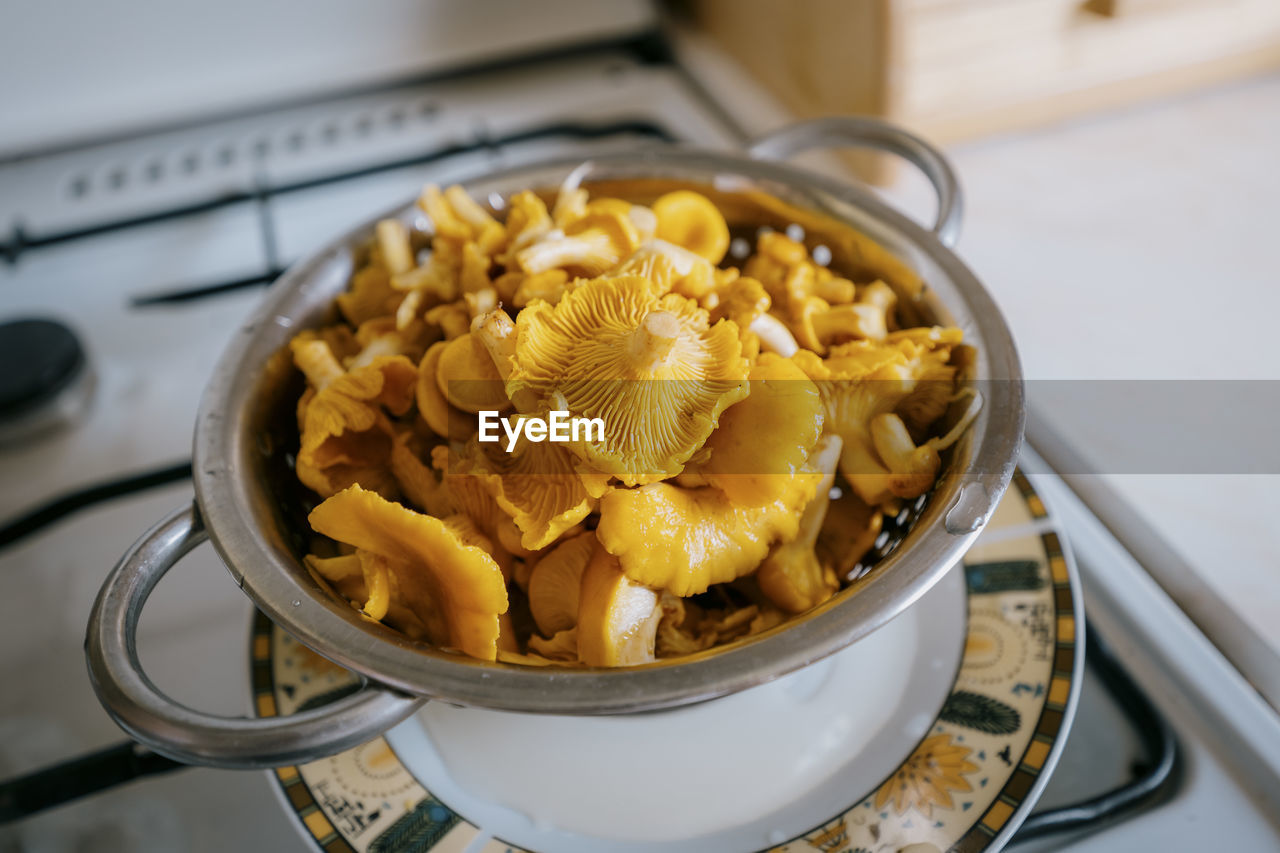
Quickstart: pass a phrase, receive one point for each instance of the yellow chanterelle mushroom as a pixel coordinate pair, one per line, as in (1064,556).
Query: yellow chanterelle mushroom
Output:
(791,576)
(763,442)
(541,485)
(345,431)
(617,618)
(862,380)
(467,377)
(444,419)
(691,220)
(736,428)
(684,540)
(651,368)
(441,578)
(556,582)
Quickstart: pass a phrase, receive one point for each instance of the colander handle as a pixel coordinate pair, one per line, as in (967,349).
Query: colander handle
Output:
(866,132)
(194,737)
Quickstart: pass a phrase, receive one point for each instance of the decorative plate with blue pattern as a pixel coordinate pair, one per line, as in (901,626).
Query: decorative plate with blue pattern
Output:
(965,787)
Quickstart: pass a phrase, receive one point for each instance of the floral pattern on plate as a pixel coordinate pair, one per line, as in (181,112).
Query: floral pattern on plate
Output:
(966,785)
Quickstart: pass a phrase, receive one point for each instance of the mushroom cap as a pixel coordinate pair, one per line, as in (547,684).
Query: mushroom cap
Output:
(763,441)
(782,266)
(540,485)
(457,217)
(692,220)
(670,269)
(359,457)
(556,581)
(369,296)
(527,221)
(561,648)
(468,496)
(913,468)
(444,420)
(346,435)
(796,581)
(453,319)
(549,286)
(437,279)
(468,378)
(817,323)
(384,336)
(742,301)
(617,618)
(612,218)
(792,279)
(590,241)
(420,483)
(368,587)
(601,346)
(848,532)
(685,540)
(792,576)
(433,568)
(861,380)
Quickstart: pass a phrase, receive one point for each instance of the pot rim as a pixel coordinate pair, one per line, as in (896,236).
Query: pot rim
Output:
(232,506)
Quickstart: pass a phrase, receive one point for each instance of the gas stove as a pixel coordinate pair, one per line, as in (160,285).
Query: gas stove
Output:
(151,248)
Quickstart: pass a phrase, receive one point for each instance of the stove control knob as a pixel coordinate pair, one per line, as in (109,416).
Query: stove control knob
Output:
(46,382)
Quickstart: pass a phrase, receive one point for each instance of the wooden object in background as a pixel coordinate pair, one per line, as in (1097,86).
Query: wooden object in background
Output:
(955,69)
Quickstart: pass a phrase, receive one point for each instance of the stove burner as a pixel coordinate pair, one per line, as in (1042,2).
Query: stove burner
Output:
(46,382)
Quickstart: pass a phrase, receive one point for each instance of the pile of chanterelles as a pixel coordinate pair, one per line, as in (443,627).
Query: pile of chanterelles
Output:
(760,422)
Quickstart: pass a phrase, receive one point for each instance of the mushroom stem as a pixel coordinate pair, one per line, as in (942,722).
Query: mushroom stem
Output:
(498,334)
(975,406)
(593,251)
(825,459)
(865,473)
(383,345)
(774,336)
(652,342)
(849,322)
(481,301)
(316,360)
(791,575)
(393,240)
(409,309)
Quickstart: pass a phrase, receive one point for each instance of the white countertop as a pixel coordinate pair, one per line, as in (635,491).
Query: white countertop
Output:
(1143,244)
(1136,244)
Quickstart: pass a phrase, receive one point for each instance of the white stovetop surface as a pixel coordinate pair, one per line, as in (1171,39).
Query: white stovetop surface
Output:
(1144,212)
(1137,244)
(1142,245)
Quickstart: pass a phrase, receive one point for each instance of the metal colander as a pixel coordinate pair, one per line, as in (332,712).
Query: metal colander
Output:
(250,506)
